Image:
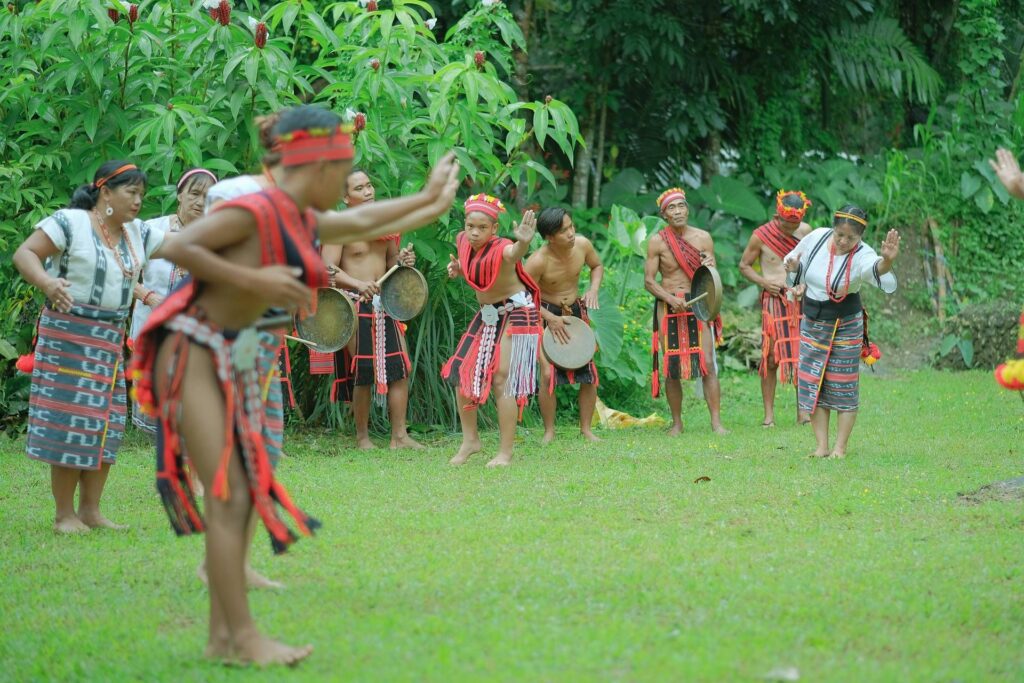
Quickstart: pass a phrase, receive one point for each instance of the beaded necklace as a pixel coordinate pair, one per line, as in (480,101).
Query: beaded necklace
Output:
(834,295)
(127,270)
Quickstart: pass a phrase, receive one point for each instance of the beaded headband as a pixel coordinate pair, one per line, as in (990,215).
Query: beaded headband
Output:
(315,144)
(669,196)
(791,212)
(484,203)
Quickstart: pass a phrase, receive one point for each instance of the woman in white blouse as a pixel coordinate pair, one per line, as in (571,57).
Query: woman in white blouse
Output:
(160,276)
(86,259)
(831,265)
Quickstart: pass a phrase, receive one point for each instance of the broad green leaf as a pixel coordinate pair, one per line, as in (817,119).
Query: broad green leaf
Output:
(969,184)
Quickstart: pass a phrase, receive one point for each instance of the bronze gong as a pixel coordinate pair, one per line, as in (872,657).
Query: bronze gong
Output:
(403,293)
(333,324)
(578,352)
(705,294)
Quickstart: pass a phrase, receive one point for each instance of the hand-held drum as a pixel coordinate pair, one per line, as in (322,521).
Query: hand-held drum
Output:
(578,352)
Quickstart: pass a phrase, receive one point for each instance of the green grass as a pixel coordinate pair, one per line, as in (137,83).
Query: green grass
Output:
(577,563)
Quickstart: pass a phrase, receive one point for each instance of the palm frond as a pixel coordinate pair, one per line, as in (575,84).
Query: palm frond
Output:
(877,55)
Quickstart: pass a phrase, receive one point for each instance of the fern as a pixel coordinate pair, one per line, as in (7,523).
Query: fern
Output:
(877,55)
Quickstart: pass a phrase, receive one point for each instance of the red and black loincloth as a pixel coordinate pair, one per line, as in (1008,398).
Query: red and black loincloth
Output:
(780,335)
(375,363)
(588,373)
(676,342)
(516,321)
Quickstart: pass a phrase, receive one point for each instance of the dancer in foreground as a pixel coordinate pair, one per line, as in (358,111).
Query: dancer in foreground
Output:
(499,349)
(780,311)
(556,269)
(831,265)
(196,363)
(85,259)
(684,345)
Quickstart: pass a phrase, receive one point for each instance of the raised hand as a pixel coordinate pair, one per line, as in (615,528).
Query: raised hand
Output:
(56,290)
(454,269)
(890,246)
(441,174)
(1008,170)
(406,257)
(525,230)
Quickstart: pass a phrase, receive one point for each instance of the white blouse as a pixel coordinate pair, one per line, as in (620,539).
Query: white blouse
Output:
(89,265)
(813,255)
(231,188)
(159,276)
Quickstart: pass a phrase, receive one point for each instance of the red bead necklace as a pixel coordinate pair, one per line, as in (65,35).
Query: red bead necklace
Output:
(127,270)
(833,295)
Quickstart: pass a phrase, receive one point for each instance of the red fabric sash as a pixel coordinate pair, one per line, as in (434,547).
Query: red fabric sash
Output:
(687,256)
(772,236)
(481,268)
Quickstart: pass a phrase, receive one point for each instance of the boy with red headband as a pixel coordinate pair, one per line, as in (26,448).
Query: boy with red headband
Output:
(684,343)
(780,311)
(499,349)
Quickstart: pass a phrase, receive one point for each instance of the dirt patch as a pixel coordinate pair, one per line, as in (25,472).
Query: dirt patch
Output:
(1006,490)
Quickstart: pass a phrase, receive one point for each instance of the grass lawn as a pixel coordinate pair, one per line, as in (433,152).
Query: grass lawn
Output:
(604,562)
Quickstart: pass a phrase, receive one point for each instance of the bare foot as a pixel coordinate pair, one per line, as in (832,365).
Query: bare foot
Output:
(768,423)
(406,442)
(719,429)
(501,460)
(547,438)
(837,454)
(363,443)
(262,651)
(820,453)
(96,520)
(467,449)
(253,579)
(589,436)
(219,649)
(676,430)
(803,419)
(70,525)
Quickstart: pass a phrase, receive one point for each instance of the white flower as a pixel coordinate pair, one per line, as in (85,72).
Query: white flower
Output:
(364,3)
(252,22)
(210,4)
(431,23)
(488,3)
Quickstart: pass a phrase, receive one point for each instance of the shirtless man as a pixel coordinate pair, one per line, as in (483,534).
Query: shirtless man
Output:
(685,344)
(499,349)
(780,312)
(383,372)
(556,269)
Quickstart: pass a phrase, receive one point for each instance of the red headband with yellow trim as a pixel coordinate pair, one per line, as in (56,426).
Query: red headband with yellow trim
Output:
(669,196)
(790,212)
(315,144)
(103,181)
(484,203)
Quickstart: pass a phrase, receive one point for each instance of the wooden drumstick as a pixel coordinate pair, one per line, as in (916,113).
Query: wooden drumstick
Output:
(695,299)
(386,275)
(312,345)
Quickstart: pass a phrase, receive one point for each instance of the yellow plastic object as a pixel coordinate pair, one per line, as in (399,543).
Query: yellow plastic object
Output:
(616,419)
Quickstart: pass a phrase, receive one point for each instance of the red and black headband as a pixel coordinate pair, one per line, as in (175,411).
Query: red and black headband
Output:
(315,144)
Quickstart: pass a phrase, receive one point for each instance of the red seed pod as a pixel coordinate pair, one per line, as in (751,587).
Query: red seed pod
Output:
(371,6)
(479,59)
(359,122)
(224,13)
(261,35)
(214,13)
(375,64)
(133,13)
(114,15)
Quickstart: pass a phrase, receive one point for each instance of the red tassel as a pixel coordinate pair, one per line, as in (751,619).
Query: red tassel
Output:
(25,364)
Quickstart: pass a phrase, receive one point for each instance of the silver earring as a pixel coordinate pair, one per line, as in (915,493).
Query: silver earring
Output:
(109,211)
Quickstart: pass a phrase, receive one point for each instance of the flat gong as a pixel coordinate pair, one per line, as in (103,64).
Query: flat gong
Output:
(578,352)
(333,324)
(706,285)
(403,295)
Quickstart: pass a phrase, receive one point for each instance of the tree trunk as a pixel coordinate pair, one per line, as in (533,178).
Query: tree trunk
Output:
(581,162)
(709,167)
(601,128)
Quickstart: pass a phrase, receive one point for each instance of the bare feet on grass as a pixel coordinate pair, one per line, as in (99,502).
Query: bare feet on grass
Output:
(218,648)
(676,429)
(467,449)
(719,429)
(363,443)
(819,453)
(501,460)
(95,520)
(253,579)
(589,436)
(837,454)
(262,651)
(70,525)
(406,442)
(547,438)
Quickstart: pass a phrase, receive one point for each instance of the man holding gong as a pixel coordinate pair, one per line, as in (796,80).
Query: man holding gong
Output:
(683,347)
(556,268)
